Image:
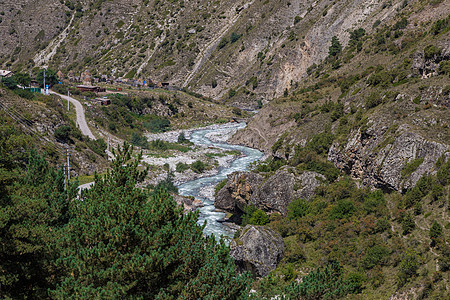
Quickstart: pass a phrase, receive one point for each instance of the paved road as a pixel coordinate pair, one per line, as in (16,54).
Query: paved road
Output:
(81,119)
(85,186)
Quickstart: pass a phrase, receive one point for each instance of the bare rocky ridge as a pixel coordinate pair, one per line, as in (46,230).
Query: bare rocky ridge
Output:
(179,42)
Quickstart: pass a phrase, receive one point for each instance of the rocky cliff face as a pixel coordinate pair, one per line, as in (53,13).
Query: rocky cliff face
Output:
(426,63)
(365,157)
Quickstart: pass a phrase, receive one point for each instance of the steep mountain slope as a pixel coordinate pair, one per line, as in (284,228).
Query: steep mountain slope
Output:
(240,51)
(385,99)
(357,168)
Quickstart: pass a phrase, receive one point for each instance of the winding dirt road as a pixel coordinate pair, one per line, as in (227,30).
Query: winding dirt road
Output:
(81,119)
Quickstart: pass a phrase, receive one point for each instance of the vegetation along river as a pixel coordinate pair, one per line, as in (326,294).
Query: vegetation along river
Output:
(203,188)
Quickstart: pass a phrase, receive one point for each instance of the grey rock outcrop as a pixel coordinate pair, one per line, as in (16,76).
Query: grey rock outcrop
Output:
(379,160)
(275,193)
(308,181)
(428,66)
(236,194)
(258,249)
(272,195)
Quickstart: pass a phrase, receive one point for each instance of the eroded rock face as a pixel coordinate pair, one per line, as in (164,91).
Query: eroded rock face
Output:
(275,193)
(379,160)
(428,66)
(309,181)
(236,194)
(272,195)
(258,249)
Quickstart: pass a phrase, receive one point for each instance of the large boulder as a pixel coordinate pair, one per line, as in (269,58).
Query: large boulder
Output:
(308,181)
(258,249)
(272,195)
(236,194)
(275,193)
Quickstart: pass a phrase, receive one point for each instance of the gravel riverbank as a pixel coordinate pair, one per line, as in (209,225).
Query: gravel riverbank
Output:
(222,158)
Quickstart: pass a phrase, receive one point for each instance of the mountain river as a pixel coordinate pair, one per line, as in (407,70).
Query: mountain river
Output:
(203,188)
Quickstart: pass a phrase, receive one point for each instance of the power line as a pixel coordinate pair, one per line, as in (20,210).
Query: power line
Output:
(27,125)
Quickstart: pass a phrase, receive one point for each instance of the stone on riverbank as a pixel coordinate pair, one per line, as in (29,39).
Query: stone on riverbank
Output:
(272,195)
(258,249)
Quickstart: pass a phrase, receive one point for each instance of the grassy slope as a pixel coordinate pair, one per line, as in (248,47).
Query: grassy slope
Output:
(38,118)
(321,234)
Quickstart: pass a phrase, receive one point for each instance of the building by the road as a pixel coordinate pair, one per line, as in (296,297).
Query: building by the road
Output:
(5,73)
(90,88)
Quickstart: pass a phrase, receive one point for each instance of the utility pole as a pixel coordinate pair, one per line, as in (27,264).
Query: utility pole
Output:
(45,91)
(65,178)
(68,165)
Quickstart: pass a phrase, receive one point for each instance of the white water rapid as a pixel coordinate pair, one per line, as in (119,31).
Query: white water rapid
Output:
(203,188)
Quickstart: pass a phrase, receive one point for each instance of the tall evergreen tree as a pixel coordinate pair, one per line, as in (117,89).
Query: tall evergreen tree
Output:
(32,211)
(50,77)
(335,47)
(123,242)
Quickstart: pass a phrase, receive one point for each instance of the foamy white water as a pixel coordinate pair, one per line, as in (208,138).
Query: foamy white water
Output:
(203,188)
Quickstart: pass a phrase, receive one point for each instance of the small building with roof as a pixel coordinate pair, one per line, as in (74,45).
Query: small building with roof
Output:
(5,73)
(90,88)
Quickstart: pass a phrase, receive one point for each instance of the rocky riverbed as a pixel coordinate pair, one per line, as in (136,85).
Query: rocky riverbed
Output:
(222,157)
(209,145)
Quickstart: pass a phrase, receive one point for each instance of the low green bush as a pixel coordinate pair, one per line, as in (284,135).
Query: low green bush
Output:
(198,166)
(375,256)
(373,100)
(254,216)
(157,124)
(431,51)
(234,37)
(374,202)
(343,209)
(412,166)
(139,140)
(219,186)
(24,93)
(62,133)
(298,208)
(181,167)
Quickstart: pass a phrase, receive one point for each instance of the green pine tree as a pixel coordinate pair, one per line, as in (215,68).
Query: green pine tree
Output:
(122,242)
(33,209)
(335,48)
(435,233)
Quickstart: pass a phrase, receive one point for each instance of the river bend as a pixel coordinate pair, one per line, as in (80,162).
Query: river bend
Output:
(203,188)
